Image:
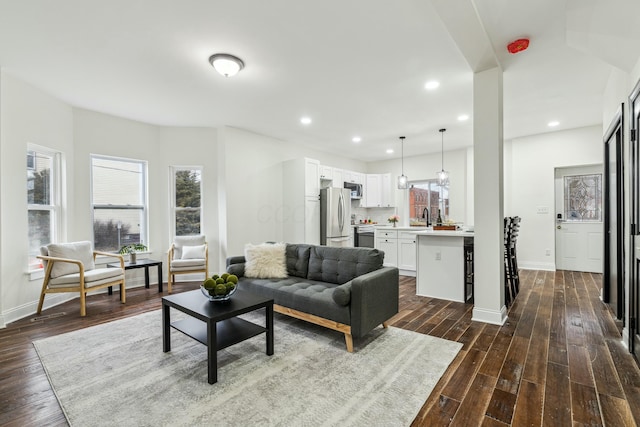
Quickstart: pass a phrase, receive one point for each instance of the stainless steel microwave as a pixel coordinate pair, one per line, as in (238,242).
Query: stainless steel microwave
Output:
(355,189)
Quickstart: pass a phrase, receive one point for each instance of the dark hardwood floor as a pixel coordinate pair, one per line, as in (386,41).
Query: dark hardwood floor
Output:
(558,361)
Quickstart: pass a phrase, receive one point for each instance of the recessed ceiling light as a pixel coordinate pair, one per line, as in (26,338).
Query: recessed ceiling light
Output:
(463,117)
(431,85)
(389,151)
(356,139)
(553,123)
(305,120)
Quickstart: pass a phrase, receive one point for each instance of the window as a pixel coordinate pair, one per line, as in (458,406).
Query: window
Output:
(426,198)
(43,200)
(583,198)
(119,199)
(187,201)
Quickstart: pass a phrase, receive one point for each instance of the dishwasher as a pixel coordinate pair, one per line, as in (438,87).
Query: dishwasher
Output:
(365,236)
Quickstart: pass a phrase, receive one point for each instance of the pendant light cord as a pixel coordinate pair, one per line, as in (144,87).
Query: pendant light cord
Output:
(402,151)
(442,131)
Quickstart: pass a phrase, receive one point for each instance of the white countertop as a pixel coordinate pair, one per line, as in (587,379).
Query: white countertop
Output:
(391,227)
(446,233)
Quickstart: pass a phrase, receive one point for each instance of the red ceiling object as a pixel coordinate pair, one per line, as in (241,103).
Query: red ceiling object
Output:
(518,45)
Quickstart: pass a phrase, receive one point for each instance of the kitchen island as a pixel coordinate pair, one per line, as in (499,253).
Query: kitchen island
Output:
(399,246)
(444,264)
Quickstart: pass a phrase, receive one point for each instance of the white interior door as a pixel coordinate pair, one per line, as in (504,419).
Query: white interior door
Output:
(579,215)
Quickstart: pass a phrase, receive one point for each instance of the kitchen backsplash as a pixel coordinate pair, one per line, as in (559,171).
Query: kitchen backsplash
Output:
(379,215)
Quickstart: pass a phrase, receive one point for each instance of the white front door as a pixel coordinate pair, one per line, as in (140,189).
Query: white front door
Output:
(579,215)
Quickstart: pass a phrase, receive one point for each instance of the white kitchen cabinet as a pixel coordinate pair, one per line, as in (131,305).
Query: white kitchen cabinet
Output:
(326,173)
(378,191)
(301,201)
(311,177)
(390,248)
(338,178)
(387,241)
(387,196)
(312,220)
(372,193)
(407,251)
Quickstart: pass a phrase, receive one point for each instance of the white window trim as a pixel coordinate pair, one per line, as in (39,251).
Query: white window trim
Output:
(172,196)
(144,231)
(59,197)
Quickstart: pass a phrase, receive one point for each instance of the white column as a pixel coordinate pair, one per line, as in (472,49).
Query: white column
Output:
(488,197)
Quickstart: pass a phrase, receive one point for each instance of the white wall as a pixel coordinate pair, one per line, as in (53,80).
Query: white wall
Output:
(27,116)
(531,184)
(253,179)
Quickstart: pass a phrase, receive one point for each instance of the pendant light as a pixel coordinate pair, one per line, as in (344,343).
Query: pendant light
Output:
(443,176)
(403,181)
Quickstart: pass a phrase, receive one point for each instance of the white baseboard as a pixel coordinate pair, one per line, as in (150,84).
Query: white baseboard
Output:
(546,266)
(51,300)
(625,338)
(410,273)
(490,316)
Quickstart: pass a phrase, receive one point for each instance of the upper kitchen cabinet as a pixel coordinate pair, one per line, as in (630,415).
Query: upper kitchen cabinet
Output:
(338,178)
(326,173)
(355,177)
(311,177)
(378,191)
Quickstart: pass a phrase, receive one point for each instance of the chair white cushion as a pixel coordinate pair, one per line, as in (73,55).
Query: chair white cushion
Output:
(92,278)
(80,251)
(265,261)
(190,263)
(181,241)
(193,252)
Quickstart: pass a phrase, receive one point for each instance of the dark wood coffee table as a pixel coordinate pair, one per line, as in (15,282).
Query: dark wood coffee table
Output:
(215,324)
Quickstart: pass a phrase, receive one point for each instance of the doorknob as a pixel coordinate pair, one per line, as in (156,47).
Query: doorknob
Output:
(558,227)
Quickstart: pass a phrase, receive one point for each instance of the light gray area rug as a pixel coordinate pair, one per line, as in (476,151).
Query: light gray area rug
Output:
(116,374)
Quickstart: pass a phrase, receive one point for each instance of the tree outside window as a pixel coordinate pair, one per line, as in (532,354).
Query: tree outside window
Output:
(188,201)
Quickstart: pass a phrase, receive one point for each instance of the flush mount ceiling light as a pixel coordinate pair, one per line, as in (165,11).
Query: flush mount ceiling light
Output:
(305,120)
(225,64)
(443,175)
(463,117)
(403,181)
(356,139)
(553,124)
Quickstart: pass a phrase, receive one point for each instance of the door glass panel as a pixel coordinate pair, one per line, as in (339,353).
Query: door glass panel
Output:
(583,198)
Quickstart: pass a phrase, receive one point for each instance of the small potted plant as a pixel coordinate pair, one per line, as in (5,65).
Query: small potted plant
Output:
(394,219)
(131,249)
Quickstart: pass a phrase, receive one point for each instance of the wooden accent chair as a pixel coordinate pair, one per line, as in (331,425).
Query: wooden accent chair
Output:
(187,255)
(70,267)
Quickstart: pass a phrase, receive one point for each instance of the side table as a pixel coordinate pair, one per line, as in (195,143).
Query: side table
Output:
(141,263)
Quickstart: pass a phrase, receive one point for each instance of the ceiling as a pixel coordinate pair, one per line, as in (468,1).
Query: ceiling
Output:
(354,67)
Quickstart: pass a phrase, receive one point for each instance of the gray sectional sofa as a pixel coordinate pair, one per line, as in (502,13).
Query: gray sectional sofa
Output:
(345,289)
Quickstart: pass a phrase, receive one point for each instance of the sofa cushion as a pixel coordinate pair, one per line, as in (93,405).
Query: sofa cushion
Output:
(79,251)
(265,261)
(342,294)
(300,294)
(340,265)
(298,259)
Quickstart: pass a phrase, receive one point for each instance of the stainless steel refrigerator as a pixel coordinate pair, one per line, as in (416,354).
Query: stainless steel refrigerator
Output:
(335,214)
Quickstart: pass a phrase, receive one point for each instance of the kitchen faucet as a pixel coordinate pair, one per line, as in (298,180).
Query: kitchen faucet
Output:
(425,214)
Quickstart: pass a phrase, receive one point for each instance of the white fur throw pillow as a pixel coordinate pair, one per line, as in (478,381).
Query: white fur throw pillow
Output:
(265,261)
(193,252)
